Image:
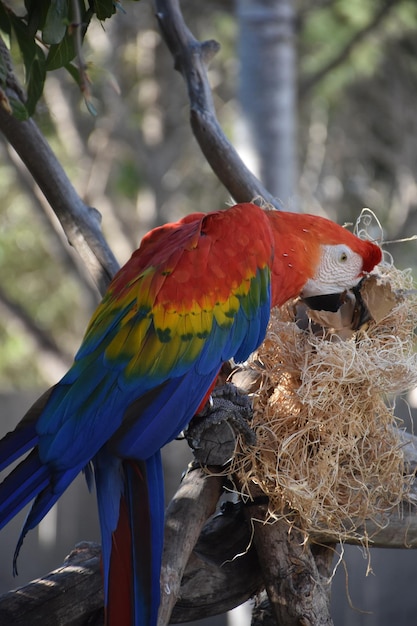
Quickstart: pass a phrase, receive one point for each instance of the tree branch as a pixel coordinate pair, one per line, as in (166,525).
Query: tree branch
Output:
(190,59)
(71,595)
(295,588)
(182,527)
(81,223)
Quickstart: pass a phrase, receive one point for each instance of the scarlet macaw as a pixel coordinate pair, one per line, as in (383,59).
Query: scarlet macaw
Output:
(195,294)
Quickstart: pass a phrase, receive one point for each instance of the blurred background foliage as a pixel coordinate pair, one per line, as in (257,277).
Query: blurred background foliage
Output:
(137,162)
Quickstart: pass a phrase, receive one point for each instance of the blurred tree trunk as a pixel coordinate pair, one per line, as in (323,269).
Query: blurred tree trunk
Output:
(267,92)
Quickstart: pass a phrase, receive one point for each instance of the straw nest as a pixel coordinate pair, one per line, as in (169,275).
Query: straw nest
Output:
(327,447)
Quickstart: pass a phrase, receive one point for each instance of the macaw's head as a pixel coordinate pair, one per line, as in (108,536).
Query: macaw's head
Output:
(316,257)
(341,264)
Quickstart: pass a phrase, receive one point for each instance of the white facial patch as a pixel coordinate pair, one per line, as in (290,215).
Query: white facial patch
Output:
(339,268)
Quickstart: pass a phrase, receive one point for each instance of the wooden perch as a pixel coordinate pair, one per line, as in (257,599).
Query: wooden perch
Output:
(296,590)
(71,594)
(192,505)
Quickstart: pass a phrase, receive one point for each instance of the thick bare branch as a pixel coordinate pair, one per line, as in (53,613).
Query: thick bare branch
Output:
(194,502)
(190,59)
(71,595)
(295,588)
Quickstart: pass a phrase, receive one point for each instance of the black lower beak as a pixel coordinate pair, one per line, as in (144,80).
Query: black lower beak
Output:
(327,302)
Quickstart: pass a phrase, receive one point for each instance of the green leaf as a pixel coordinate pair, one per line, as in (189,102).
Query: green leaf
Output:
(26,43)
(36,15)
(19,110)
(104,8)
(36,80)
(34,62)
(56,22)
(62,53)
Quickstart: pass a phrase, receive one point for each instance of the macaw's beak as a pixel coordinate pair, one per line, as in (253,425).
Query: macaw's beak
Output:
(351,300)
(327,302)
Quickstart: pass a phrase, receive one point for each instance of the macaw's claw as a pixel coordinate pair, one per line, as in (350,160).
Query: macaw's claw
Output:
(212,433)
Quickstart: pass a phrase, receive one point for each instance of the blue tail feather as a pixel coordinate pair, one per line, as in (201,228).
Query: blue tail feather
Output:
(21,486)
(45,498)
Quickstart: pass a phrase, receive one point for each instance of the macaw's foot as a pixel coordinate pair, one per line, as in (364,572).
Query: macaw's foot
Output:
(212,433)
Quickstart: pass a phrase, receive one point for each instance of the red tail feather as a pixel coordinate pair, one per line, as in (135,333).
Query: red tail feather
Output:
(119,607)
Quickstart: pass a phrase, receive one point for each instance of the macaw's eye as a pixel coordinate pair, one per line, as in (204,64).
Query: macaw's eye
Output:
(343,257)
